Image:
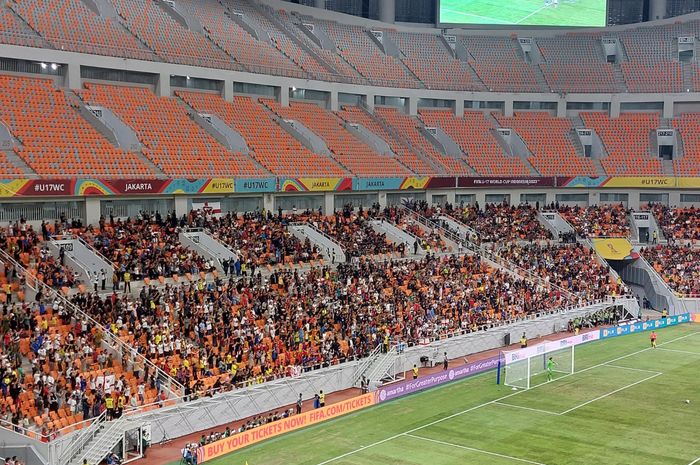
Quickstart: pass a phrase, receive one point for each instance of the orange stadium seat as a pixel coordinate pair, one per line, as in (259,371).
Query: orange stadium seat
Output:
(499,65)
(56,140)
(272,146)
(687,124)
(172,141)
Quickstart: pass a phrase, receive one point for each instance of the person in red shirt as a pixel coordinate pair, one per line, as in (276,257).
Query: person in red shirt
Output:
(653,339)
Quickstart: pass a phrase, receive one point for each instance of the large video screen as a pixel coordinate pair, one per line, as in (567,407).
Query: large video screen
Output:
(572,13)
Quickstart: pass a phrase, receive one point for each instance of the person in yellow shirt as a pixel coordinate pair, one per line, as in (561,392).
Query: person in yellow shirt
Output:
(415,371)
(109,405)
(322,399)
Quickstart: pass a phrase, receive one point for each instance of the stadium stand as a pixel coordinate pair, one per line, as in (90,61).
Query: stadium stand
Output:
(273,147)
(549,139)
(401,147)
(627,141)
(653,77)
(14,31)
(408,127)
(429,59)
(255,55)
(171,139)
(680,224)
(171,41)
(70,25)
(348,150)
(472,132)
(678,265)
(603,220)
(687,125)
(498,223)
(499,66)
(55,139)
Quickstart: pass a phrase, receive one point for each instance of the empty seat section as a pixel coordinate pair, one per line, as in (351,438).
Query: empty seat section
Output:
(15,32)
(627,141)
(549,139)
(653,77)
(427,56)
(170,40)
(688,124)
(255,55)
(351,152)
(171,139)
(473,133)
(359,50)
(401,148)
(70,25)
(272,146)
(8,168)
(499,66)
(55,139)
(408,127)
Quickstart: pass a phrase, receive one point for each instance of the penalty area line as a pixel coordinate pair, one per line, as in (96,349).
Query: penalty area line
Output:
(474,449)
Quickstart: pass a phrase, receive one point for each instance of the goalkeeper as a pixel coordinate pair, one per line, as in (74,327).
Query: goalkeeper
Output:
(550,369)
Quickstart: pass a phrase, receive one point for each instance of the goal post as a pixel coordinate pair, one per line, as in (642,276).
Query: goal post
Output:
(526,368)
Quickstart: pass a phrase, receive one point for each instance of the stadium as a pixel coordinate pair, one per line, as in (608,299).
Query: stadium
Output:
(349,232)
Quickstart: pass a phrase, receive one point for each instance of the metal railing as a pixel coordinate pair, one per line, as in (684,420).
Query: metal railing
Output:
(82,438)
(366,363)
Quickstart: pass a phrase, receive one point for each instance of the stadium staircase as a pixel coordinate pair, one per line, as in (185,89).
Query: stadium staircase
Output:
(18,163)
(204,242)
(385,368)
(397,235)
(82,257)
(524,155)
(323,241)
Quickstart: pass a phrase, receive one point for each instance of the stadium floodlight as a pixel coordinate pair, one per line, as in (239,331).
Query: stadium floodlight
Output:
(526,368)
(54,66)
(43,65)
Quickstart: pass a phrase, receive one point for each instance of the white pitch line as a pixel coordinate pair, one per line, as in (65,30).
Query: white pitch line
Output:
(531,14)
(610,393)
(695,461)
(505,404)
(635,369)
(435,422)
(473,449)
(679,351)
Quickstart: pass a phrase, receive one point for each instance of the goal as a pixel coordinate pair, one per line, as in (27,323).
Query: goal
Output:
(526,368)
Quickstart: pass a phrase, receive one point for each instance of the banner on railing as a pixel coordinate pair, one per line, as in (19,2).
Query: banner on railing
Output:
(640,326)
(286,425)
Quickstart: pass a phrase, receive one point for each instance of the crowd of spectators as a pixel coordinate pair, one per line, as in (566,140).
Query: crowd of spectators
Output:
(678,265)
(678,224)
(610,220)
(572,267)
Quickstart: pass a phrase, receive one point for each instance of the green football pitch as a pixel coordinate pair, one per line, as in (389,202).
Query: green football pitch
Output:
(578,13)
(625,404)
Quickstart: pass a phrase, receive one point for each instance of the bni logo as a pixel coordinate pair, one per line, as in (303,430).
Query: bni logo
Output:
(451,375)
(382,395)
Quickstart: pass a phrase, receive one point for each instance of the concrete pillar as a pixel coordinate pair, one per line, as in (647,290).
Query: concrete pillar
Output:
(72,79)
(181,206)
(412,105)
(369,102)
(269,202)
(459,107)
(674,199)
(657,9)
(92,210)
(283,96)
(508,108)
(381,199)
(615,108)
(228,90)
(320,4)
(668,107)
(334,100)
(163,88)
(561,108)
(387,11)
(328,203)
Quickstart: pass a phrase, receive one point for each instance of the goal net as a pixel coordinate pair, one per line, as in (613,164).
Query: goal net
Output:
(527,367)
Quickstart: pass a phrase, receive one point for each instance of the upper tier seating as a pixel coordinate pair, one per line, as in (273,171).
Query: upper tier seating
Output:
(408,127)
(14,31)
(256,55)
(272,146)
(602,220)
(473,134)
(501,223)
(403,151)
(350,151)
(681,224)
(653,77)
(174,43)
(70,25)
(687,124)
(427,56)
(499,66)
(172,141)
(549,140)
(357,48)
(627,141)
(56,140)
